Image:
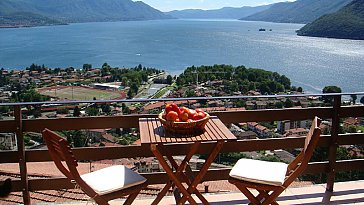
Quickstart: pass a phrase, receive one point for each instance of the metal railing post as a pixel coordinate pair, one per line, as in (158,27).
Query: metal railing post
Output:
(21,154)
(333,144)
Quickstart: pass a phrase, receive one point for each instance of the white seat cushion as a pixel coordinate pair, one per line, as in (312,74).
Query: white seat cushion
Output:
(271,173)
(112,179)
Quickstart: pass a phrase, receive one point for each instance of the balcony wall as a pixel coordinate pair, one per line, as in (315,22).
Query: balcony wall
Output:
(19,126)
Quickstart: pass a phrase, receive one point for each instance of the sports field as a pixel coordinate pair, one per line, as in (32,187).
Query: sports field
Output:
(80,93)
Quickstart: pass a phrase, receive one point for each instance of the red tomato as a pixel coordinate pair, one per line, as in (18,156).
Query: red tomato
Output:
(175,108)
(195,117)
(201,115)
(185,109)
(168,108)
(172,116)
(199,110)
(191,113)
(183,116)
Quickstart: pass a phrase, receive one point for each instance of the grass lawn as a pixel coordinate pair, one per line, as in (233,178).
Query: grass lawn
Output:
(79,93)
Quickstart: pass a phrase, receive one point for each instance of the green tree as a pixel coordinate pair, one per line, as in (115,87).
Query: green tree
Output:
(299,89)
(330,89)
(86,67)
(76,111)
(106,108)
(278,105)
(362,100)
(62,110)
(92,111)
(288,103)
(354,98)
(169,79)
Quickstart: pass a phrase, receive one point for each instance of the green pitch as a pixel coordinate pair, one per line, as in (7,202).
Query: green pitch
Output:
(78,93)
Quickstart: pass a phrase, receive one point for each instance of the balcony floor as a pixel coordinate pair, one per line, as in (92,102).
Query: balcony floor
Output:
(344,193)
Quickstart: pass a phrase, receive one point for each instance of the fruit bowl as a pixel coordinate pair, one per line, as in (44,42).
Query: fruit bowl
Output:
(184,127)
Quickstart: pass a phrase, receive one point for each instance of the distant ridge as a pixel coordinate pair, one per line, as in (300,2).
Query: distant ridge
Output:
(347,23)
(223,13)
(300,11)
(74,11)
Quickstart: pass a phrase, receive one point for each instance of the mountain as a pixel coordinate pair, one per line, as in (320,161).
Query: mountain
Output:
(223,13)
(346,23)
(72,11)
(300,11)
(25,19)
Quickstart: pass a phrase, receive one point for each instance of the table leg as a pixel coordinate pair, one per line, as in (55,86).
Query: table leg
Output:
(187,168)
(203,170)
(169,171)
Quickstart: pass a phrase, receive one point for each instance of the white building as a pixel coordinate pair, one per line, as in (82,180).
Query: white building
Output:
(7,141)
(288,125)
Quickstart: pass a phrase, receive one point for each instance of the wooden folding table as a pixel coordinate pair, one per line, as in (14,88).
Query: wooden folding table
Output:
(153,134)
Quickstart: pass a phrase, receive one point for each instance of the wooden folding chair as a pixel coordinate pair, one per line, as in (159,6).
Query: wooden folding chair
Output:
(102,185)
(270,179)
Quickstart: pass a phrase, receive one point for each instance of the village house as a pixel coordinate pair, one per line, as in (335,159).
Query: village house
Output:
(296,132)
(261,130)
(7,141)
(351,121)
(287,125)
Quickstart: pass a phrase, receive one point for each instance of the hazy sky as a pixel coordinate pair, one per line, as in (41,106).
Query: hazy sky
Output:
(168,5)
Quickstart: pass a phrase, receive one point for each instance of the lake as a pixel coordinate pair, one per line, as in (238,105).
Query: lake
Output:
(173,45)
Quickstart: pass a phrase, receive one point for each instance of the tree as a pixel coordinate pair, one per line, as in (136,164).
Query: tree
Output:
(106,108)
(76,112)
(299,89)
(330,89)
(169,79)
(86,67)
(62,110)
(362,100)
(278,104)
(288,103)
(92,111)
(354,98)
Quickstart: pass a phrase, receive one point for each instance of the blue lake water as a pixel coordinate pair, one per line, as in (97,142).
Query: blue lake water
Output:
(173,45)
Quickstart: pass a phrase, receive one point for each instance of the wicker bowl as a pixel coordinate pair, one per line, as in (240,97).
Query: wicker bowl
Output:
(184,127)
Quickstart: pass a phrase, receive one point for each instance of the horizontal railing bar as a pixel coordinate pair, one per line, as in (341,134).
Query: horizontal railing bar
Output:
(351,111)
(350,165)
(350,139)
(7,126)
(100,153)
(56,183)
(125,121)
(273,115)
(178,99)
(131,121)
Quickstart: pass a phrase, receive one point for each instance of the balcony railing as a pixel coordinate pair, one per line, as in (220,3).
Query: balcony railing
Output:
(330,167)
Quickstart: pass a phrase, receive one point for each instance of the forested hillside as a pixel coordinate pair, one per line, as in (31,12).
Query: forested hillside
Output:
(300,11)
(346,23)
(223,13)
(70,11)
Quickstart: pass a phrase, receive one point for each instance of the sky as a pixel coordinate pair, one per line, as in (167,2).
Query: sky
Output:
(169,5)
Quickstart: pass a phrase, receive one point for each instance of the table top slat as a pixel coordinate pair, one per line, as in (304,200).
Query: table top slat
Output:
(156,131)
(224,130)
(144,130)
(152,131)
(161,131)
(212,133)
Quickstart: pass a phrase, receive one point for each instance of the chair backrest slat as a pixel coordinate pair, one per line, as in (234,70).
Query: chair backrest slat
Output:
(298,165)
(60,151)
